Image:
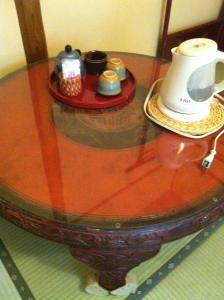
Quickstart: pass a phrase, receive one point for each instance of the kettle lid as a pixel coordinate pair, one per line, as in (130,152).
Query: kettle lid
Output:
(197,47)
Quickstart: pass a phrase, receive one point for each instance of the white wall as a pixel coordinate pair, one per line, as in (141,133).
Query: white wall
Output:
(11,48)
(189,13)
(122,25)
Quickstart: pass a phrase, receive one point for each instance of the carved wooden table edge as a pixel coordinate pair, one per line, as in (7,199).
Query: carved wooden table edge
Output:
(112,252)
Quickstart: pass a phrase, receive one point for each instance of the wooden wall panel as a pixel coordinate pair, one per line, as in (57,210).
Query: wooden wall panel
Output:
(213,30)
(209,30)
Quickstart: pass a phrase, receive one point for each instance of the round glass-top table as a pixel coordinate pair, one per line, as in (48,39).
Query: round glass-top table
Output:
(108,182)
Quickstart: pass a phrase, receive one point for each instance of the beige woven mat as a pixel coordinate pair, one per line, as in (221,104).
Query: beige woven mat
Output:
(214,121)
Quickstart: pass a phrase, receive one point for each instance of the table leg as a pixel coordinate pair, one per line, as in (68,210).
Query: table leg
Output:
(114,264)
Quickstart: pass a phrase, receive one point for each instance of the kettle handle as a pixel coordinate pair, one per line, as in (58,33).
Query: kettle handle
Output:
(219,86)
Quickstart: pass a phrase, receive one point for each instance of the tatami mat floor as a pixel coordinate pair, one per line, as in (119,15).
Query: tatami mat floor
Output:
(34,268)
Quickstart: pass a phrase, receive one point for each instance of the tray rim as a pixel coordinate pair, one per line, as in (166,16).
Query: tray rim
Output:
(109,101)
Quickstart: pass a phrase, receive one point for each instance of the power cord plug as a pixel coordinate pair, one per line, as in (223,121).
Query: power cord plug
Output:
(207,161)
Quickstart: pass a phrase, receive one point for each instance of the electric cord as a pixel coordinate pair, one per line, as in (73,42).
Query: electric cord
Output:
(207,161)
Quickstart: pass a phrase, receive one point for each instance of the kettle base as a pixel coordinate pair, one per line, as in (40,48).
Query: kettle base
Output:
(197,129)
(181,117)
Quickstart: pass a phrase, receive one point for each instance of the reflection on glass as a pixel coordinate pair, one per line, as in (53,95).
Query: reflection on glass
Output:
(174,151)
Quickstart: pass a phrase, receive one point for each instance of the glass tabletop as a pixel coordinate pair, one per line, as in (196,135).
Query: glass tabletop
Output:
(110,168)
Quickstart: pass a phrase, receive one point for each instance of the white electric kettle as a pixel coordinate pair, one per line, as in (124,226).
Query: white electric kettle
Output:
(188,88)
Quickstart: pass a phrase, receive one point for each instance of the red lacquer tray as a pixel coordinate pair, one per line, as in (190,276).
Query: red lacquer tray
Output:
(89,98)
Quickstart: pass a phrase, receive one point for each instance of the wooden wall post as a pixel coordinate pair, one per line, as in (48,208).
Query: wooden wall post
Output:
(165,26)
(32,30)
(221,29)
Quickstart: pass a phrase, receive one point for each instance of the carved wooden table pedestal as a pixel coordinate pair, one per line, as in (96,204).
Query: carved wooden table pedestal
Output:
(113,253)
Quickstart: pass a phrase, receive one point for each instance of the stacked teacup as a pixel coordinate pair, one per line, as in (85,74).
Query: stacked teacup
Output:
(109,83)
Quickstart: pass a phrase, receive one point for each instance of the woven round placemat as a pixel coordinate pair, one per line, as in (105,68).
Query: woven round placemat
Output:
(214,120)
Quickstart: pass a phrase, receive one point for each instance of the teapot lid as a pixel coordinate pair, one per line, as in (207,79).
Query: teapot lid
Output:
(68,53)
(197,47)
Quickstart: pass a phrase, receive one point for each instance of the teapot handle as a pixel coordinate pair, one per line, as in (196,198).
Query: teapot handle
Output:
(79,51)
(219,86)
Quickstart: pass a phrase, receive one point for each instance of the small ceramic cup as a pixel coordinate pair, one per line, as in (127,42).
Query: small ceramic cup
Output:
(109,83)
(95,62)
(117,65)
